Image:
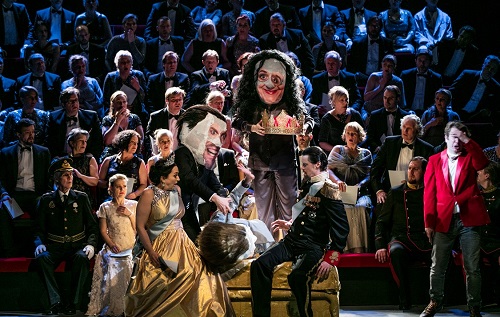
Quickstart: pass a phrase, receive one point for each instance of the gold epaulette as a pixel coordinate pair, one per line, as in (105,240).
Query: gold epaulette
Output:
(331,190)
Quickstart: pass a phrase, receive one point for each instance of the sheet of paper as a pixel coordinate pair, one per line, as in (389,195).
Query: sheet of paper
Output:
(350,196)
(130,184)
(13,208)
(325,102)
(121,254)
(397,178)
(130,92)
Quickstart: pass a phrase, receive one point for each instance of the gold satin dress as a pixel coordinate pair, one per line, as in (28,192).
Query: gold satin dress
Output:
(193,291)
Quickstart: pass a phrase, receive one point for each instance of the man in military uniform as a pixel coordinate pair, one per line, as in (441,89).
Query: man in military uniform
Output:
(66,230)
(318,224)
(400,228)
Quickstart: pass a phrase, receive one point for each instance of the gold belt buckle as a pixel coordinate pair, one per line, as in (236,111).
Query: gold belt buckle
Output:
(67,238)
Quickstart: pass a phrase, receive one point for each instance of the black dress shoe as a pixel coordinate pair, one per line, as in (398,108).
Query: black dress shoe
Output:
(431,309)
(53,310)
(70,309)
(475,311)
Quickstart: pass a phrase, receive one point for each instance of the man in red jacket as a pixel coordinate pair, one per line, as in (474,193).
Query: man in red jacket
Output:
(454,208)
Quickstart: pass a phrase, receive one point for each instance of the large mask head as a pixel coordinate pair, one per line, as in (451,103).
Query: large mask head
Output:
(271,79)
(202,131)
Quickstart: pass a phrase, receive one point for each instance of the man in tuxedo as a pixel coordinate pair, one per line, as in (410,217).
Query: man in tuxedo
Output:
(421,82)
(66,231)
(24,178)
(287,40)
(370,50)
(167,117)
(180,19)
(158,46)
(385,121)
(263,15)
(62,121)
(209,78)
(454,210)
(46,83)
(17,27)
(400,233)
(455,55)
(356,20)
(313,17)
(395,154)
(169,77)
(95,54)
(61,22)
(334,76)
(476,93)
(201,133)
(7,89)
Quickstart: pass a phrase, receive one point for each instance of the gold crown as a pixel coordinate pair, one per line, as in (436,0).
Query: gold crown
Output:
(65,165)
(282,123)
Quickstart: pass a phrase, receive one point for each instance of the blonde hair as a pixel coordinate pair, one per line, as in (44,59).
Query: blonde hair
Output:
(359,130)
(336,92)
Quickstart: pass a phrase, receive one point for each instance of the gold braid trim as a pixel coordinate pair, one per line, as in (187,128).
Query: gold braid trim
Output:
(331,190)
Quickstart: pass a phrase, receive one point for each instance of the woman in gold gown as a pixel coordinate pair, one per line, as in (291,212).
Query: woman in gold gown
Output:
(172,278)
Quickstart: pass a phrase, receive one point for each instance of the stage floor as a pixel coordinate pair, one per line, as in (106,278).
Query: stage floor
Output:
(356,311)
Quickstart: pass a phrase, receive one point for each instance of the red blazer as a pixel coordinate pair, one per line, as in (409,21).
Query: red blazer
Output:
(439,198)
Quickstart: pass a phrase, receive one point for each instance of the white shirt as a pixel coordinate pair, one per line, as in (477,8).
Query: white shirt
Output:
(10,28)
(316,21)
(55,26)
(452,170)
(405,155)
(478,93)
(372,63)
(25,172)
(418,100)
(454,64)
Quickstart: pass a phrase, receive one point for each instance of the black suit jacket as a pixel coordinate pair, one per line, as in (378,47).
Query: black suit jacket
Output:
(67,23)
(432,84)
(347,80)
(51,89)
(200,86)
(348,18)
(152,46)
(97,59)
(9,170)
(263,15)
(156,89)
(359,53)
(7,92)
(378,127)
(195,181)
(463,87)
(329,13)
(297,43)
(56,136)
(228,173)
(159,120)
(446,49)
(184,24)
(387,159)
(23,24)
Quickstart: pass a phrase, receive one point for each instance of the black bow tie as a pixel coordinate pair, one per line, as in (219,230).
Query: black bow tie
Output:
(359,11)
(333,77)
(410,146)
(390,113)
(165,41)
(69,119)
(318,8)
(299,152)
(375,41)
(8,9)
(24,148)
(279,38)
(33,78)
(425,75)
(172,8)
(169,78)
(52,10)
(175,116)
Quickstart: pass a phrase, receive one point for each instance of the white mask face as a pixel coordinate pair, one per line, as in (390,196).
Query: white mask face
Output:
(271,79)
(205,139)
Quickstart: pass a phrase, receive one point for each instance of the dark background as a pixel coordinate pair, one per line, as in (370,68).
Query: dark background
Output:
(482,15)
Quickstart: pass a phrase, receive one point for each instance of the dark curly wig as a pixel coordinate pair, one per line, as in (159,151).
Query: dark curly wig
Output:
(248,102)
(122,139)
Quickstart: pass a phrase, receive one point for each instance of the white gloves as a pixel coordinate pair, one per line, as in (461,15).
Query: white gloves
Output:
(89,251)
(40,249)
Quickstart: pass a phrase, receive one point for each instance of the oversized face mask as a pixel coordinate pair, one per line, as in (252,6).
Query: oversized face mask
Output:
(271,79)
(205,139)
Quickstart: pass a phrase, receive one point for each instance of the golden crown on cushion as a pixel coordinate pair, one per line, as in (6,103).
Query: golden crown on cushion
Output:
(282,123)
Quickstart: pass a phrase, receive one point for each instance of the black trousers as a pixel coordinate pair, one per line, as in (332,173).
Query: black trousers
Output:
(306,259)
(79,264)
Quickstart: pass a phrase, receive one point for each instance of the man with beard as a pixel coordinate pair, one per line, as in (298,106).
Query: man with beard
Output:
(201,133)
(399,233)
(24,178)
(268,84)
